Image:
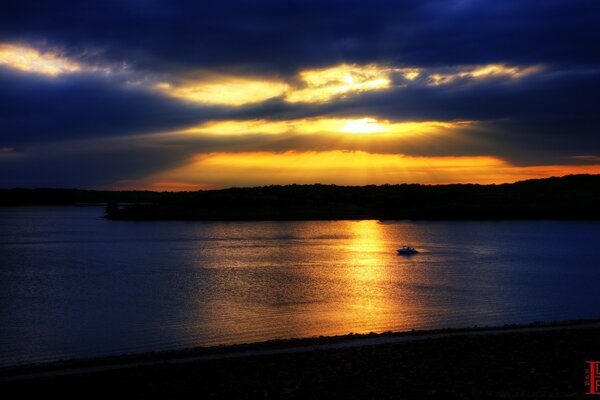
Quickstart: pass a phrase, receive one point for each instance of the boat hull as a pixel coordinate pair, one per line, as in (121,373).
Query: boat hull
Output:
(407,252)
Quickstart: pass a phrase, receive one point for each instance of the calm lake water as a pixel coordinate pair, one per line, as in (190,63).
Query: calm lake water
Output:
(75,285)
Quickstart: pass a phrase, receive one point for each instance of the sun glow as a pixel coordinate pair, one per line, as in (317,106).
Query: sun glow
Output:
(28,59)
(366,125)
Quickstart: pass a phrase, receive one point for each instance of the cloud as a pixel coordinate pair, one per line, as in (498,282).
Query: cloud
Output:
(183,159)
(326,84)
(87,163)
(34,109)
(28,59)
(320,85)
(482,72)
(228,91)
(270,36)
(136,81)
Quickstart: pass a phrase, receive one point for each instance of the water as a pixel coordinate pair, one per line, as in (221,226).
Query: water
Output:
(74,285)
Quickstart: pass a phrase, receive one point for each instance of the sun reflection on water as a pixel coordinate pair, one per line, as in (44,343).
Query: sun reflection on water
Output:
(366,245)
(366,277)
(265,284)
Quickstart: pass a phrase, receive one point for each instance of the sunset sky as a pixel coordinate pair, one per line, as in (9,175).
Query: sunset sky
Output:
(187,95)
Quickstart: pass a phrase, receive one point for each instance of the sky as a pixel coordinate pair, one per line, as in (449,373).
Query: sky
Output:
(189,95)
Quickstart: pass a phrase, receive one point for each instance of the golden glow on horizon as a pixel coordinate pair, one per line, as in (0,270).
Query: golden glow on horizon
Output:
(162,186)
(340,159)
(324,84)
(28,59)
(353,168)
(365,125)
(334,166)
(483,72)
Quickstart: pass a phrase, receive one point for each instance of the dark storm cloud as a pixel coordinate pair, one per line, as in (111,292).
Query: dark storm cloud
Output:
(546,117)
(34,108)
(84,169)
(281,36)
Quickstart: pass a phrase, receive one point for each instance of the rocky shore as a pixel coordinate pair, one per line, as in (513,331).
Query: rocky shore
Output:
(502,363)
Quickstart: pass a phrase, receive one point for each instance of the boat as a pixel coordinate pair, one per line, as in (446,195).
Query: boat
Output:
(407,250)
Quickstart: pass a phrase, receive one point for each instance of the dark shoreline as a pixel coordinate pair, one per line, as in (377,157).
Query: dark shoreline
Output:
(572,197)
(231,351)
(535,361)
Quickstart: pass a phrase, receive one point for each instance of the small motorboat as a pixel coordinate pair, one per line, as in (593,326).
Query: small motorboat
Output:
(407,250)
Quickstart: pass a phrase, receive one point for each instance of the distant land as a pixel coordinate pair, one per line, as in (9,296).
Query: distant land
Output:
(568,197)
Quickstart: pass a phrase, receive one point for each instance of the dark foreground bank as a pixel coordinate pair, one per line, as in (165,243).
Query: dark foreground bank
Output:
(523,364)
(569,197)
